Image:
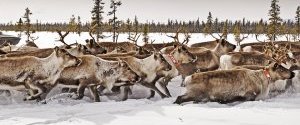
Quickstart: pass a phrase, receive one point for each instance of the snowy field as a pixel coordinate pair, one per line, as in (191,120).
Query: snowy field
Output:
(61,110)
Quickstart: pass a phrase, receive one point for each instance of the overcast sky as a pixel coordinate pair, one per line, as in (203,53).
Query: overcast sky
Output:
(157,10)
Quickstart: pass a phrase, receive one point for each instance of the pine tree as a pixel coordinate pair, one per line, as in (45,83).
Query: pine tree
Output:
(237,32)
(208,25)
(225,30)
(297,19)
(274,20)
(128,27)
(27,24)
(136,24)
(259,29)
(114,21)
(19,26)
(79,26)
(145,33)
(96,24)
(72,26)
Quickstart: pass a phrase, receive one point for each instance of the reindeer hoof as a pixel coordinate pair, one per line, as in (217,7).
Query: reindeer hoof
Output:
(28,98)
(77,97)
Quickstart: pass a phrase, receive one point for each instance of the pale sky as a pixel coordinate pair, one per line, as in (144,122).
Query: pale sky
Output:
(157,10)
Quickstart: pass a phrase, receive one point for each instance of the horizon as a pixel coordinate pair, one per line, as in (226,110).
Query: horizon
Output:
(145,10)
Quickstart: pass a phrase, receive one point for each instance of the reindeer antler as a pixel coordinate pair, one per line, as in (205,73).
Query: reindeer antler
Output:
(176,39)
(135,38)
(62,36)
(187,37)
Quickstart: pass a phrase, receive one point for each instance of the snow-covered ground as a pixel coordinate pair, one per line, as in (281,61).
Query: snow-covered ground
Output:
(61,110)
(48,39)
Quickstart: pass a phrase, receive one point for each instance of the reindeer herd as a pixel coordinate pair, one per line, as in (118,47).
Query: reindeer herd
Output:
(210,71)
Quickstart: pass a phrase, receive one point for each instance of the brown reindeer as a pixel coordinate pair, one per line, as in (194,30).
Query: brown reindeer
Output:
(36,74)
(149,69)
(95,71)
(226,86)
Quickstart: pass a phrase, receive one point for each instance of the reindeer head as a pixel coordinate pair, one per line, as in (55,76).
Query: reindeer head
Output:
(83,49)
(94,47)
(67,59)
(182,54)
(142,51)
(225,46)
(278,72)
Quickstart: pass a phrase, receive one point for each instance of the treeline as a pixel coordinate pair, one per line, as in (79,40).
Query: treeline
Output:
(197,26)
(273,27)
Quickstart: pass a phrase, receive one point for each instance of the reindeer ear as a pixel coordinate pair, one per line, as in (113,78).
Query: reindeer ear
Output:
(56,49)
(91,42)
(223,42)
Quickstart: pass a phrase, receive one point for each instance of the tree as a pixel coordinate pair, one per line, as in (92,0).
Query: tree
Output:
(27,24)
(274,20)
(72,26)
(259,29)
(19,26)
(79,26)
(114,21)
(208,25)
(136,24)
(128,27)
(225,30)
(238,36)
(96,24)
(145,34)
(297,19)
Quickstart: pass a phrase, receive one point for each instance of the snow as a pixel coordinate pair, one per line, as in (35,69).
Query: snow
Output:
(49,39)
(62,110)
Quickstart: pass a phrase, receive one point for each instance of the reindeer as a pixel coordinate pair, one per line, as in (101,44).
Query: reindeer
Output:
(226,86)
(95,71)
(250,47)
(43,53)
(149,69)
(207,60)
(36,74)
(270,54)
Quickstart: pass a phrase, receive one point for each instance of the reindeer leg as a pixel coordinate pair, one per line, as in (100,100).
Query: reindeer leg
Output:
(182,82)
(163,83)
(81,88)
(153,87)
(152,94)
(37,90)
(94,93)
(289,85)
(125,90)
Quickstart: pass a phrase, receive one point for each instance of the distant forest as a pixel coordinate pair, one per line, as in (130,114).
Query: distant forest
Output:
(273,27)
(171,26)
